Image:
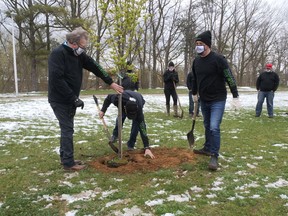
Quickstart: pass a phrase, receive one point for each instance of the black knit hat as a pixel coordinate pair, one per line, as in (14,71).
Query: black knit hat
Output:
(171,64)
(131,109)
(205,37)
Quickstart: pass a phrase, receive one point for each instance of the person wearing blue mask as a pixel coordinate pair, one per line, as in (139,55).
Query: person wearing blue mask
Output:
(65,71)
(211,72)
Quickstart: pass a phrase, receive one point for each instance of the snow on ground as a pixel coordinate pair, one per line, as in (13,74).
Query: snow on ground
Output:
(30,108)
(33,110)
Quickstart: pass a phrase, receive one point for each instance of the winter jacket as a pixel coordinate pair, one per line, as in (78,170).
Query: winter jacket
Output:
(66,72)
(189,81)
(126,95)
(267,81)
(113,98)
(128,83)
(210,75)
(170,77)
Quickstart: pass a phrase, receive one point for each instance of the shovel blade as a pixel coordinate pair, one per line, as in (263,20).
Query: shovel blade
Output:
(191,139)
(181,114)
(113,147)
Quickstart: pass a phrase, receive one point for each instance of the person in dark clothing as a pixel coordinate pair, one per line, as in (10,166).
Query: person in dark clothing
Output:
(210,73)
(171,78)
(266,85)
(128,82)
(189,84)
(132,108)
(130,79)
(65,64)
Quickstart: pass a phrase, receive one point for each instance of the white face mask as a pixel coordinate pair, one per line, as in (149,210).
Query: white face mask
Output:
(78,51)
(171,68)
(200,49)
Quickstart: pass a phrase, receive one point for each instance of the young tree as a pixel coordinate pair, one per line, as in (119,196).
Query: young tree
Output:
(124,16)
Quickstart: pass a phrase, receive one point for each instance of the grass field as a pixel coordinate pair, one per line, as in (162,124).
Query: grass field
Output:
(252,179)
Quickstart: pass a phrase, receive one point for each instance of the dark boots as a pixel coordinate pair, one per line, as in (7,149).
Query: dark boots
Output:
(168,110)
(175,108)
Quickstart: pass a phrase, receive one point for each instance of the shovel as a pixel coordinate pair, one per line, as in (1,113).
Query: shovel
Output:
(190,135)
(114,148)
(182,112)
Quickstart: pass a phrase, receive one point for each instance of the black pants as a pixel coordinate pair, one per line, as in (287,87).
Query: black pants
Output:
(173,93)
(65,115)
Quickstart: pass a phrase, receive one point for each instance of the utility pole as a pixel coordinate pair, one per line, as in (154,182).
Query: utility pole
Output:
(14,58)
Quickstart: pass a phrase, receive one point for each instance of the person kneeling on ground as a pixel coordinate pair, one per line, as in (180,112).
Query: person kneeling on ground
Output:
(132,108)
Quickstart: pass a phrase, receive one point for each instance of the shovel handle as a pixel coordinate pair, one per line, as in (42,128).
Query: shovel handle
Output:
(97,104)
(182,112)
(195,110)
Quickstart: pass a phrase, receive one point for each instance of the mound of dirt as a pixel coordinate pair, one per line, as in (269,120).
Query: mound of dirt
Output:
(164,158)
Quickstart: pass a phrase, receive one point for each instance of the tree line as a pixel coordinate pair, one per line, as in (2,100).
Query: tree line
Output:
(249,33)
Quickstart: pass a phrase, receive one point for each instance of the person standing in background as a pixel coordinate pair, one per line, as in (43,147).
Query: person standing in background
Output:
(266,85)
(170,77)
(130,79)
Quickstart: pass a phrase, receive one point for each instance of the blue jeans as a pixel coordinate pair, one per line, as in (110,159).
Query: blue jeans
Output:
(191,104)
(133,134)
(269,95)
(212,113)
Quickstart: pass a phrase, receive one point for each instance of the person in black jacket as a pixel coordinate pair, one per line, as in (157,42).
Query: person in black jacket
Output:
(65,64)
(129,79)
(210,74)
(266,85)
(132,108)
(189,83)
(170,77)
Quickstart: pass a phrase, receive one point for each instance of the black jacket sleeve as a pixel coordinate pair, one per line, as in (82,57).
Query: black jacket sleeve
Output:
(230,80)
(91,65)
(108,100)
(189,81)
(276,82)
(194,80)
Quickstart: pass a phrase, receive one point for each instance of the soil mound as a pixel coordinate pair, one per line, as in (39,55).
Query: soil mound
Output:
(136,162)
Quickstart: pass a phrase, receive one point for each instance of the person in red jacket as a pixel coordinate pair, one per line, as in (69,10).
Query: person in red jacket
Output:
(266,85)
(65,65)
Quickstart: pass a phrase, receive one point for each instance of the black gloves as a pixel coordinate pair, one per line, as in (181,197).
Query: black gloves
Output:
(79,103)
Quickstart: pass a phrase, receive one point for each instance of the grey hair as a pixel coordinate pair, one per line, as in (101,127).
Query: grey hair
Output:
(76,35)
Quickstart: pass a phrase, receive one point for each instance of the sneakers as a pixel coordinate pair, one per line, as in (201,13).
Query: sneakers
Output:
(76,167)
(213,164)
(113,139)
(202,151)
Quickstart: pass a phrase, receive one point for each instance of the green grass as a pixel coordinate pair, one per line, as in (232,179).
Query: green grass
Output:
(32,181)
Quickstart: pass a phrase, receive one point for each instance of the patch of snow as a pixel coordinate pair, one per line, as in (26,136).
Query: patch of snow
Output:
(114,202)
(154,202)
(71,213)
(196,189)
(179,198)
(277,184)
